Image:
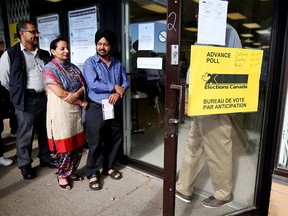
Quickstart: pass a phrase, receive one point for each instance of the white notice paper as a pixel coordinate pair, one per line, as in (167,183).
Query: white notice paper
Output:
(49,28)
(82,28)
(212,20)
(107,109)
(146,36)
(150,63)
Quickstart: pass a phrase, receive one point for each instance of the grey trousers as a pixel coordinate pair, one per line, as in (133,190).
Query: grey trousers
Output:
(31,120)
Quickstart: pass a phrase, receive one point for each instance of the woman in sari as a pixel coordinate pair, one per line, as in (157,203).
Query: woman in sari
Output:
(65,89)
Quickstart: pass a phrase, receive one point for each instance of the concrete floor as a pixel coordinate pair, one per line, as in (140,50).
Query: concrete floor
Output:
(149,147)
(136,194)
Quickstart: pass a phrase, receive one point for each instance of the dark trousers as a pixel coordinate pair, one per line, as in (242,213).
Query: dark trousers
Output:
(33,119)
(1,142)
(13,126)
(13,120)
(104,138)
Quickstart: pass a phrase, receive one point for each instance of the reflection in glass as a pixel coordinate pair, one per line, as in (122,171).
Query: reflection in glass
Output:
(246,127)
(283,153)
(147,98)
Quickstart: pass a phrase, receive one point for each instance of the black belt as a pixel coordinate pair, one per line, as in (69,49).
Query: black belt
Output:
(33,93)
(98,105)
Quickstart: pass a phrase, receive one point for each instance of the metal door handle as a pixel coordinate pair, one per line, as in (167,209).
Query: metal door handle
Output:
(181,89)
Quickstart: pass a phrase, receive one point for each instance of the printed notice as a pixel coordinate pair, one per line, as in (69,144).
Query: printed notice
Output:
(149,63)
(223,80)
(48,26)
(107,109)
(212,21)
(82,28)
(146,36)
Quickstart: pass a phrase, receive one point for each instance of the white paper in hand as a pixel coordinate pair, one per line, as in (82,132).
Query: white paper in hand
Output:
(107,109)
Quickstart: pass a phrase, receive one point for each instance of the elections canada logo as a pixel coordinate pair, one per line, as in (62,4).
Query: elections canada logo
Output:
(225,81)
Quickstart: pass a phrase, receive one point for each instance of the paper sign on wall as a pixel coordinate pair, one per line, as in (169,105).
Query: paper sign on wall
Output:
(223,80)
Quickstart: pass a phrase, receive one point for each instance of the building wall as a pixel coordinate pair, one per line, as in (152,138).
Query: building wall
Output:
(278,204)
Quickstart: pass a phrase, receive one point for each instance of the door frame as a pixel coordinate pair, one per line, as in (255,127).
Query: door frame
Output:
(270,122)
(272,111)
(171,112)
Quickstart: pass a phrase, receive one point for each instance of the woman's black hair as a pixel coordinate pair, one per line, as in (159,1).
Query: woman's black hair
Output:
(53,44)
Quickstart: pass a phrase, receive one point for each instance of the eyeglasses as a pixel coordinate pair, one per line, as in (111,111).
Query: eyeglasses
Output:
(31,31)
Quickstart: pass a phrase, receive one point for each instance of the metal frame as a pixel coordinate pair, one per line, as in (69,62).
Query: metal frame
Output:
(282,101)
(171,129)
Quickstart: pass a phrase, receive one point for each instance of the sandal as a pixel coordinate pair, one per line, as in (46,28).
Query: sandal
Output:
(65,186)
(116,175)
(76,178)
(94,185)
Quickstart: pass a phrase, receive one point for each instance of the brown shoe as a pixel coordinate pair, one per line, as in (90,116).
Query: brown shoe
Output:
(183,197)
(212,202)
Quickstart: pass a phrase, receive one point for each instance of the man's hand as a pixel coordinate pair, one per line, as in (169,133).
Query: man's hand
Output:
(113,98)
(120,90)
(84,104)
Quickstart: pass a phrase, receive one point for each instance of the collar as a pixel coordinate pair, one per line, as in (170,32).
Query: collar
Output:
(98,59)
(22,47)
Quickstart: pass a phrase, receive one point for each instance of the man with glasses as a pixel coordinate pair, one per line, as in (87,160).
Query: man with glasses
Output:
(21,73)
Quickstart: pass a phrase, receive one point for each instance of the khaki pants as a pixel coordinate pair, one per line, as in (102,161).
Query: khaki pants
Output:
(209,139)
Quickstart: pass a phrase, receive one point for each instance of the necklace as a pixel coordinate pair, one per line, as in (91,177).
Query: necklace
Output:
(69,73)
(61,68)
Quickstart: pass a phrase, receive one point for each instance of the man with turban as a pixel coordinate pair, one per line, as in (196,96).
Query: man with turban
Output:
(106,79)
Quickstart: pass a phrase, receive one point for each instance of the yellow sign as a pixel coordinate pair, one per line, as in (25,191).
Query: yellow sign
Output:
(223,80)
(13,34)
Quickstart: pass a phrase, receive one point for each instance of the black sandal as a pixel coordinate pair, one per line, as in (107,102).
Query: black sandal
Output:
(116,175)
(64,187)
(76,178)
(94,185)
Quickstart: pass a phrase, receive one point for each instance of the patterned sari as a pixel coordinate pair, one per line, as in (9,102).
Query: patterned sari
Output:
(64,124)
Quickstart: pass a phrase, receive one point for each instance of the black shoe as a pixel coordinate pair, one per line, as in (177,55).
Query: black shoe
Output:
(48,164)
(65,186)
(27,172)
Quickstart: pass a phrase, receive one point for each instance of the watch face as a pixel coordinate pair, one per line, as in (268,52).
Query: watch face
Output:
(162,36)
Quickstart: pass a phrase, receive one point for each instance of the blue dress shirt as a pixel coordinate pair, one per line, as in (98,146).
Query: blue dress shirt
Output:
(101,79)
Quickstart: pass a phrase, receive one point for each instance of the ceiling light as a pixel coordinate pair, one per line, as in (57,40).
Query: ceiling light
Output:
(251,25)
(155,8)
(247,35)
(265,47)
(192,29)
(256,44)
(54,1)
(262,32)
(248,41)
(236,16)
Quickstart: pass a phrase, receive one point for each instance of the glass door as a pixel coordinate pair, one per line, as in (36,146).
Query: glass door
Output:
(146,29)
(252,19)
(147,38)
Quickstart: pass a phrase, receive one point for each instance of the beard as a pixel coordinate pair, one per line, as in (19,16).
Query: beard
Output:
(103,53)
